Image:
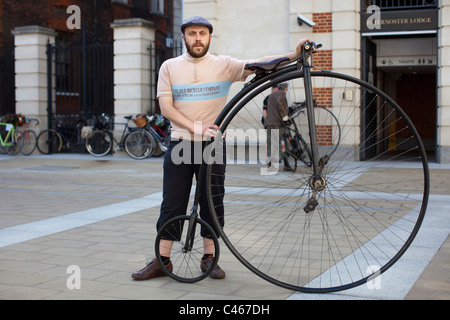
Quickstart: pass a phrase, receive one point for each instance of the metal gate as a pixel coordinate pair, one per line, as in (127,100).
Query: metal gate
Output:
(80,72)
(157,57)
(7,84)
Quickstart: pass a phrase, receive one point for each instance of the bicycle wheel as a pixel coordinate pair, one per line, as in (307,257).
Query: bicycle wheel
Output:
(29,142)
(365,207)
(140,144)
(186,262)
(15,144)
(49,141)
(99,143)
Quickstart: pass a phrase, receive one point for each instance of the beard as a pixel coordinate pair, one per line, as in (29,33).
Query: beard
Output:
(196,54)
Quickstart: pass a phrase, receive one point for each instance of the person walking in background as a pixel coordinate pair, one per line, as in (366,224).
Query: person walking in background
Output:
(275,123)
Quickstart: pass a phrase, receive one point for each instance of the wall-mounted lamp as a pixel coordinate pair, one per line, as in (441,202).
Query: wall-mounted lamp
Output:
(302,19)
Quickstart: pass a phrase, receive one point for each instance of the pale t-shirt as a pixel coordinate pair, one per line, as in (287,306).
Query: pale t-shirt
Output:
(199,86)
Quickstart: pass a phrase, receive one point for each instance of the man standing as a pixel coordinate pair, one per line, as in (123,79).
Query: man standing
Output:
(275,123)
(192,91)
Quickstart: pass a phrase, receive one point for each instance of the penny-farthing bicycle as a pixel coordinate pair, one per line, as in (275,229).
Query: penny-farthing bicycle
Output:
(326,227)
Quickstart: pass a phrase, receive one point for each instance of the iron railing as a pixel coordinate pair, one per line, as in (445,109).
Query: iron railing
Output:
(399,4)
(7,84)
(157,57)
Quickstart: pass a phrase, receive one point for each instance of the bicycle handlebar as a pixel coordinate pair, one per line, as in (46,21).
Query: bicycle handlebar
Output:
(311,46)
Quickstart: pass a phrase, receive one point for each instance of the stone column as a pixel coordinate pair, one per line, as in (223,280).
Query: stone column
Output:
(443,84)
(31,70)
(132,93)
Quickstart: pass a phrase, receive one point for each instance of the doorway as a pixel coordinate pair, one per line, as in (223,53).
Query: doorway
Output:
(406,69)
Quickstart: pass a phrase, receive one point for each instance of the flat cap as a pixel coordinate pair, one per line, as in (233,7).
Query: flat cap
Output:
(197,21)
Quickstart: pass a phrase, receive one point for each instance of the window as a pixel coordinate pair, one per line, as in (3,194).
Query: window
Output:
(121,1)
(158,6)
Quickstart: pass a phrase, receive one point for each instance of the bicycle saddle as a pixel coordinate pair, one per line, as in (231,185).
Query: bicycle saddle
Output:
(267,66)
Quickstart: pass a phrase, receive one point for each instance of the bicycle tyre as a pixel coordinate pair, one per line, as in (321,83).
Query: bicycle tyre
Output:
(49,141)
(99,143)
(140,144)
(186,265)
(29,142)
(368,212)
(16,144)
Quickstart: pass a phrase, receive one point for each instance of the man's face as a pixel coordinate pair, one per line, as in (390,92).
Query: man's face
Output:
(197,40)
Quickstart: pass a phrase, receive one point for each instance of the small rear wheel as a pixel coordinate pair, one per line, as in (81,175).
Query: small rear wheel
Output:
(186,251)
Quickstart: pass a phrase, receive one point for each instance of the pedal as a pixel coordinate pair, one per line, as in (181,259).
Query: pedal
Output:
(311,205)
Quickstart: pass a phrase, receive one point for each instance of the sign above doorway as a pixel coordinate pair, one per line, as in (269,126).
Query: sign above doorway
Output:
(399,22)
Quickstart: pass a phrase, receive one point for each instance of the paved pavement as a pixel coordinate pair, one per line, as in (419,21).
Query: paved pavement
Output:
(68,215)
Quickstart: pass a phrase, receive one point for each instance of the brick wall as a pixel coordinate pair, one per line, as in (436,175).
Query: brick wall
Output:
(324,135)
(323,21)
(323,97)
(323,59)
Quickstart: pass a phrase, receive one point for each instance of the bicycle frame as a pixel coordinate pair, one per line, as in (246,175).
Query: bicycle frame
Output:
(307,53)
(292,133)
(160,139)
(9,139)
(125,131)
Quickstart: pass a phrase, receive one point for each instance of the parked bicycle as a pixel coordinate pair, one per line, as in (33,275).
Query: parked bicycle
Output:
(14,140)
(328,132)
(100,139)
(29,137)
(327,227)
(152,137)
(10,139)
(63,138)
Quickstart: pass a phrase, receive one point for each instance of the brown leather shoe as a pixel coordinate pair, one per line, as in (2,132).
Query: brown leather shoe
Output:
(151,270)
(217,273)
(288,168)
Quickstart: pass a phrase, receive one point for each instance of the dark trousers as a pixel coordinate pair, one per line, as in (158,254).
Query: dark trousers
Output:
(177,184)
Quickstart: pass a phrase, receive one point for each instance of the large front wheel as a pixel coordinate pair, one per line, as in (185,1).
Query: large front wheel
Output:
(341,227)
